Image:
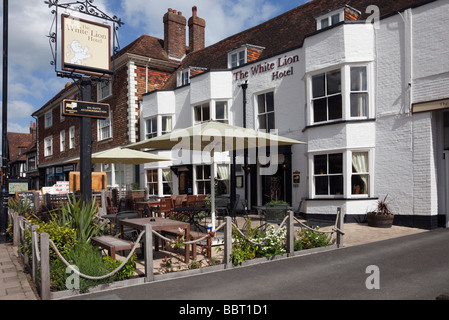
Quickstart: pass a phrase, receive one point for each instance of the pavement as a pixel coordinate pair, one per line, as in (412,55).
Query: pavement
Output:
(15,283)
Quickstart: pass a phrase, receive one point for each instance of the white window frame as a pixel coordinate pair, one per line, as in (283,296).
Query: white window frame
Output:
(151,127)
(48,119)
(72,138)
(183,77)
(225,118)
(347,174)
(328,17)
(62,144)
(199,170)
(258,114)
(153,185)
(345,71)
(100,93)
(165,123)
(104,124)
(61,108)
(202,106)
(48,146)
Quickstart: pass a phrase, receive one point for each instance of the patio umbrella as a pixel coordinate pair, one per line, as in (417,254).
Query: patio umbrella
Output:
(121,155)
(214,137)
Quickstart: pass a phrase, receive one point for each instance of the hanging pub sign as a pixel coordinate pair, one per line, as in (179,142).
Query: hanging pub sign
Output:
(86,46)
(85,109)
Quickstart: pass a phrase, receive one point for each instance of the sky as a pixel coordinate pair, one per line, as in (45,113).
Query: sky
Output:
(32,81)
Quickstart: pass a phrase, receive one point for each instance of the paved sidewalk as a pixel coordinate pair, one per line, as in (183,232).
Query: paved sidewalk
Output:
(14,284)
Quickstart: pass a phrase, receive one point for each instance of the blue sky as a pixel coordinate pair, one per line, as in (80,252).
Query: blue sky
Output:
(32,80)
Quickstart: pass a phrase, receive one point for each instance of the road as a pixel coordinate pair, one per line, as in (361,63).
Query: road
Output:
(411,267)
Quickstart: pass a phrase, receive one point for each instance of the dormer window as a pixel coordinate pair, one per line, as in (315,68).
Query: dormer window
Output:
(330,19)
(183,77)
(336,16)
(237,58)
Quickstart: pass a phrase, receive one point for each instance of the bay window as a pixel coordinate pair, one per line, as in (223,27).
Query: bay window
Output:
(339,94)
(359,92)
(341,175)
(203,179)
(328,174)
(327,99)
(152,182)
(151,130)
(201,113)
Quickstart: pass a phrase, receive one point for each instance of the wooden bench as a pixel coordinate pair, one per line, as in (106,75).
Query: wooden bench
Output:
(112,244)
(194,235)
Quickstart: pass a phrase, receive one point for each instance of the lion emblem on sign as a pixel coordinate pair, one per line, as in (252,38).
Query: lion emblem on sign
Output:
(79,52)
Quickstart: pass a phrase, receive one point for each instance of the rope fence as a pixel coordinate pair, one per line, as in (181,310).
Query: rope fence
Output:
(41,258)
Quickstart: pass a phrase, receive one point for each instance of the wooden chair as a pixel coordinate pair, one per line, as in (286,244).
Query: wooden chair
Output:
(165,207)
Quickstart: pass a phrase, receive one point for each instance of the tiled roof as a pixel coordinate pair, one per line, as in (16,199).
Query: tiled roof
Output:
(19,142)
(281,33)
(147,46)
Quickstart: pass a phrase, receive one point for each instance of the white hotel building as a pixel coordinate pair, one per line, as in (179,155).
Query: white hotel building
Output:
(366,87)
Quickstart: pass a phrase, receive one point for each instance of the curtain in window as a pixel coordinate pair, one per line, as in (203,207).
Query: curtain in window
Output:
(360,165)
(223,174)
(166,173)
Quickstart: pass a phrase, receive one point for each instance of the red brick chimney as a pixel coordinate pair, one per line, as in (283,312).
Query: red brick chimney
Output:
(197,28)
(174,34)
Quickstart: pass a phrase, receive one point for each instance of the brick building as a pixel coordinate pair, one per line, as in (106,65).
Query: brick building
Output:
(142,66)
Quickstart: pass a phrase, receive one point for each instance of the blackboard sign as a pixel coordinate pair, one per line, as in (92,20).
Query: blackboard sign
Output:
(30,196)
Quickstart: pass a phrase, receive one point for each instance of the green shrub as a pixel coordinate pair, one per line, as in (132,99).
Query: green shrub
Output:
(63,237)
(89,261)
(308,239)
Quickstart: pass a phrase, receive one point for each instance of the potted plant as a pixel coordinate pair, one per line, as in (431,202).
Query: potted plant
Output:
(381,217)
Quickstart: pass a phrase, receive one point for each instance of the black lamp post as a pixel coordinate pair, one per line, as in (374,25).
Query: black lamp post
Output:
(3,191)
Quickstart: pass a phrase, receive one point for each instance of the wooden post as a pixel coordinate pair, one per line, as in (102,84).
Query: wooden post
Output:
(149,276)
(16,229)
(34,263)
(227,242)
(45,267)
(290,234)
(340,226)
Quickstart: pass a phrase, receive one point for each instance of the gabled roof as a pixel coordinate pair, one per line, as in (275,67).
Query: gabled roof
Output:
(18,145)
(147,46)
(282,33)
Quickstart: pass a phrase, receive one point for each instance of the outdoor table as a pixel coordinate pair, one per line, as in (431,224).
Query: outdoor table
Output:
(191,211)
(159,224)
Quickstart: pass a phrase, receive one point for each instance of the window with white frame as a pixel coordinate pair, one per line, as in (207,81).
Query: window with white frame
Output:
(328,174)
(151,128)
(104,90)
(166,124)
(104,127)
(201,112)
(360,173)
(359,92)
(326,96)
(183,77)
(265,104)
(203,179)
(152,182)
(330,19)
(221,111)
(72,137)
(237,58)
(167,181)
(62,141)
(61,108)
(48,119)
(48,146)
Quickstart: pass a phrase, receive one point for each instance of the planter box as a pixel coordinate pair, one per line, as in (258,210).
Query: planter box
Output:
(380,221)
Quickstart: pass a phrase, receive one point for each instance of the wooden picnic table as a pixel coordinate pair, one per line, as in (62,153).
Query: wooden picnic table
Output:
(159,224)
